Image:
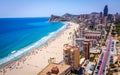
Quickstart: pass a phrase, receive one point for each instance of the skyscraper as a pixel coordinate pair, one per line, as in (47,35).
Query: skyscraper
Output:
(105,10)
(101,14)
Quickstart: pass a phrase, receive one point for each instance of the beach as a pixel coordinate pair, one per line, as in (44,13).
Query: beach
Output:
(39,58)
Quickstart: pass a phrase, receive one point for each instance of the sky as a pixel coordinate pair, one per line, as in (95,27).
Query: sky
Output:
(44,8)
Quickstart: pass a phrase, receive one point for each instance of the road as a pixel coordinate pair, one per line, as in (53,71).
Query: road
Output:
(106,54)
(98,64)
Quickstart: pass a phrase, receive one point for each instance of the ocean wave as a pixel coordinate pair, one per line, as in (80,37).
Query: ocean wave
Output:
(13,51)
(17,54)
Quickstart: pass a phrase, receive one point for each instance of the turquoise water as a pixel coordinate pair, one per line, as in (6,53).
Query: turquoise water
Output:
(18,36)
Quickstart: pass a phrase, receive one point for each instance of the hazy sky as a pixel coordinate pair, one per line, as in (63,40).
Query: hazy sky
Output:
(44,8)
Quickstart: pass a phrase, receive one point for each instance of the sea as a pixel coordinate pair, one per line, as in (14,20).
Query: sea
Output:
(19,36)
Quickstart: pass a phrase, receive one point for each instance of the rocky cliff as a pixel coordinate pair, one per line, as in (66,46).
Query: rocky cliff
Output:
(65,17)
(55,18)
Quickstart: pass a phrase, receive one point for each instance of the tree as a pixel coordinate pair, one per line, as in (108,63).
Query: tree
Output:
(103,43)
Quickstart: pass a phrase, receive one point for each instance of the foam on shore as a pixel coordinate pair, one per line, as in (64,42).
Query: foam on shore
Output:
(18,54)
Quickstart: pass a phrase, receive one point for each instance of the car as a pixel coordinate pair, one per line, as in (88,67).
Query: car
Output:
(81,71)
(112,45)
(111,57)
(112,49)
(98,67)
(96,72)
(113,42)
(101,57)
(92,67)
(111,61)
(99,63)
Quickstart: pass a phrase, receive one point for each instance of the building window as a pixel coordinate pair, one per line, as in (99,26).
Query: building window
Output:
(65,51)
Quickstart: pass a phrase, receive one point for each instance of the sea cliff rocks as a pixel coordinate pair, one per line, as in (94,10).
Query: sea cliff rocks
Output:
(65,17)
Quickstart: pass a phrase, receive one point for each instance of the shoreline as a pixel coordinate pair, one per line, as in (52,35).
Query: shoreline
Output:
(57,32)
(32,63)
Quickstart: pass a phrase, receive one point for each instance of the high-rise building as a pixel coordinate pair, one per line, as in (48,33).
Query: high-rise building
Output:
(116,16)
(93,37)
(105,10)
(79,43)
(86,48)
(101,14)
(81,30)
(71,56)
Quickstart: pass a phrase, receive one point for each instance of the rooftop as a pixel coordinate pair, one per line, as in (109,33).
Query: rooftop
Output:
(69,47)
(95,32)
(82,39)
(91,34)
(82,60)
(85,43)
(61,67)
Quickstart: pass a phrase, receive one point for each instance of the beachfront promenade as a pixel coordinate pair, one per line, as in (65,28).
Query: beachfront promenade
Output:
(38,59)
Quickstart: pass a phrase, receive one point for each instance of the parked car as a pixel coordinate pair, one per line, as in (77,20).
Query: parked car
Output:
(92,67)
(113,42)
(96,72)
(112,49)
(98,67)
(99,63)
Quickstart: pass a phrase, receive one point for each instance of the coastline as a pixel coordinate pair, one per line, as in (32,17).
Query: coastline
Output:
(35,61)
(28,49)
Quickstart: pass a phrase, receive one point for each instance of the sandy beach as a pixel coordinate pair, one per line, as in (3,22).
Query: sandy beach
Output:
(38,59)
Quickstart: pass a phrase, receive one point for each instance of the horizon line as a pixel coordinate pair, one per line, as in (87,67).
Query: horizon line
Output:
(50,15)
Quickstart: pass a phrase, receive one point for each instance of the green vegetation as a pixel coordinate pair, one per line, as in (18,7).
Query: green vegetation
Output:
(108,30)
(106,37)
(92,59)
(115,70)
(110,72)
(94,29)
(73,74)
(81,55)
(103,43)
(112,65)
(117,25)
(94,55)
(94,68)
(118,42)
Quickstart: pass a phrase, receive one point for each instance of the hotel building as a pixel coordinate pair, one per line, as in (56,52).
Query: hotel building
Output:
(71,56)
(86,49)
(79,42)
(93,37)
